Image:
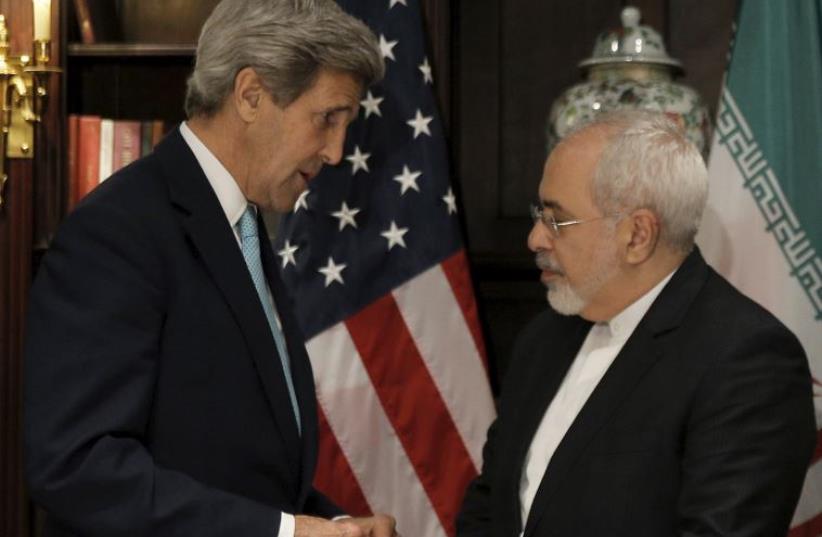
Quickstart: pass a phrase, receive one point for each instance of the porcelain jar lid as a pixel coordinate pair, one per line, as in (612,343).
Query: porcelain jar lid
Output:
(633,43)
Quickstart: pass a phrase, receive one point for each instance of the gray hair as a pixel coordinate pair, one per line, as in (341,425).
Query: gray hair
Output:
(287,42)
(648,163)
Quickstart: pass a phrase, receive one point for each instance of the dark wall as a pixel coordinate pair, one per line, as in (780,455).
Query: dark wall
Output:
(511,59)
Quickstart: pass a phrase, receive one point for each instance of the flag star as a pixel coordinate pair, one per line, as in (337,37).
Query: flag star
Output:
(387,47)
(302,201)
(407,179)
(332,272)
(346,216)
(420,124)
(371,105)
(394,235)
(425,67)
(287,253)
(451,201)
(395,2)
(358,160)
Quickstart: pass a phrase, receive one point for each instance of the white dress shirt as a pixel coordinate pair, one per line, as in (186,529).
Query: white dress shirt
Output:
(598,351)
(234,205)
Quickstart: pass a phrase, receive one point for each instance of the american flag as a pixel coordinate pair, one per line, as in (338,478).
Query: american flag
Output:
(373,256)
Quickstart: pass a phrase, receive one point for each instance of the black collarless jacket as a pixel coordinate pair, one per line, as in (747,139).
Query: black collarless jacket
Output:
(702,426)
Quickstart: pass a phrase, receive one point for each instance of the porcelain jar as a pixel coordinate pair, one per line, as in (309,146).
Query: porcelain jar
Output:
(630,68)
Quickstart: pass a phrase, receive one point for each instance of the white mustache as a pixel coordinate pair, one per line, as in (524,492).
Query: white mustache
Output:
(544,262)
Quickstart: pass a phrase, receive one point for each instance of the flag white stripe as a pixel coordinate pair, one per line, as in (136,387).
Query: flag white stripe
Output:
(366,436)
(442,336)
(734,240)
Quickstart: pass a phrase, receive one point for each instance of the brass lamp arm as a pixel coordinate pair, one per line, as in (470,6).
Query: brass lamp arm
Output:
(23,99)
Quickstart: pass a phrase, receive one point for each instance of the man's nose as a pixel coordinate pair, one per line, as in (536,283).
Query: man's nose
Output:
(332,152)
(539,238)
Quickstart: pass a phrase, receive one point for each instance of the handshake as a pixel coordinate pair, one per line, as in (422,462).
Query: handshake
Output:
(374,526)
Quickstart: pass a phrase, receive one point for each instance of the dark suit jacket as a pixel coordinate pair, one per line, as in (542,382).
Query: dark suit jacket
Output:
(702,426)
(155,402)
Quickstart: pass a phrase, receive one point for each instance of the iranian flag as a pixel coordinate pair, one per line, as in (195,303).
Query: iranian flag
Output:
(763,224)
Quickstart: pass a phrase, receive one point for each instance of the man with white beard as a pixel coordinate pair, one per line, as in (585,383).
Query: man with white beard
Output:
(652,399)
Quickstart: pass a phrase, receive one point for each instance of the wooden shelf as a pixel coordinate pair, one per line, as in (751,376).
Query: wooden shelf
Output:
(130,50)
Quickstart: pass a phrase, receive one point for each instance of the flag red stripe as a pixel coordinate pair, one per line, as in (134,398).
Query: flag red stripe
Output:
(459,277)
(366,436)
(817,455)
(413,405)
(334,476)
(810,528)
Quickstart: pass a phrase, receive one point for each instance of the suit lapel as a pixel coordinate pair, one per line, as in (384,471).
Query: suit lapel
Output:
(640,352)
(542,382)
(204,221)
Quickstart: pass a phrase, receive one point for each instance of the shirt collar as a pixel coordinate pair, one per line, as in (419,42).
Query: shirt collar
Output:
(623,324)
(228,193)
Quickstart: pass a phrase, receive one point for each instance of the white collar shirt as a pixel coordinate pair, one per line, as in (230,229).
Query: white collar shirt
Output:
(228,193)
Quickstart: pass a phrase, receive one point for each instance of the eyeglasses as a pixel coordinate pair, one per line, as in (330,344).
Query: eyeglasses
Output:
(539,214)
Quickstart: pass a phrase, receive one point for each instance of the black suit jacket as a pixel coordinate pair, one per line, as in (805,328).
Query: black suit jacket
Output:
(702,426)
(155,402)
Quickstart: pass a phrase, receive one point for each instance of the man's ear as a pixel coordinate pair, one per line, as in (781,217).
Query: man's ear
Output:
(643,231)
(248,94)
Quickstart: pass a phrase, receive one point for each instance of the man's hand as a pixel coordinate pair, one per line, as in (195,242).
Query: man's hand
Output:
(309,526)
(375,526)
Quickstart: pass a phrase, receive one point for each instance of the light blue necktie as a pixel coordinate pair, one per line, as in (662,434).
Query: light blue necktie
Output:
(250,240)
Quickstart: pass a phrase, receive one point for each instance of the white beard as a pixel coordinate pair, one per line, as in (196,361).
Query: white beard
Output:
(566,299)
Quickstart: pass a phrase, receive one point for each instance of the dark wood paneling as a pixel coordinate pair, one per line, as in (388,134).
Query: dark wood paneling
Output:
(15,241)
(542,43)
(15,274)
(515,58)
(135,87)
(478,110)
(700,39)
(438,22)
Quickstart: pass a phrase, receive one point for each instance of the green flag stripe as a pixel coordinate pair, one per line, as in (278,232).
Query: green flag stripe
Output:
(763,184)
(776,78)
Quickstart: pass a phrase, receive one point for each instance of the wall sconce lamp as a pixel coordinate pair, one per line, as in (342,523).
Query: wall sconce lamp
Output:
(23,90)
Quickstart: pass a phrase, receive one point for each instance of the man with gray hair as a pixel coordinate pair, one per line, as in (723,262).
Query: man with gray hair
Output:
(653,399)
(168,391)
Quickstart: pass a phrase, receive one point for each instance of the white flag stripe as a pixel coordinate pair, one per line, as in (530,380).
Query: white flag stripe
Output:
(734,240)
(366,436)
(747,223)
(809,500)
(437,325)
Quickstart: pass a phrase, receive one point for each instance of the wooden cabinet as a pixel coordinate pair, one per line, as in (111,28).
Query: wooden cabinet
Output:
(140,81)
(139,72)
